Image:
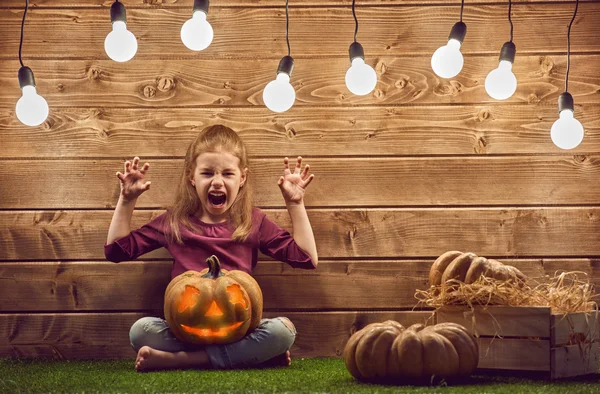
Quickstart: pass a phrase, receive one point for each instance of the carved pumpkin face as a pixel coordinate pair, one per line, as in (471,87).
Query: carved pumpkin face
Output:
(213,306)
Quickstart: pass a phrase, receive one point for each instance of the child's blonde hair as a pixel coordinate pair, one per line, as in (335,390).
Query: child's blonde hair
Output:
(217,138)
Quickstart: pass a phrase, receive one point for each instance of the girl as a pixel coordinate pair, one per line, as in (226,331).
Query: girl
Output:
(213,214)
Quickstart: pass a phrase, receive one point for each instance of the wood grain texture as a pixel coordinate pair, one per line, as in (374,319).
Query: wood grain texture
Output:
(341,233)
(130,286)
(343,131)
(140,286)
(570,329)
(418,167)
(187,4)
(514,354)
(105,335)
(259,32)
(317,81)
(339,182)
(571,360)
(499,321)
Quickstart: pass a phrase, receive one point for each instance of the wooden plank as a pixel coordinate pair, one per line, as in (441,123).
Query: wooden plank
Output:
(499,321)
(259,32)
(105,335)
(186,4)
(317,81)
(514,354)
(81,286)
(342,233)
(341,131)
(91,285)
(339,182)
(574,360)
(573,328)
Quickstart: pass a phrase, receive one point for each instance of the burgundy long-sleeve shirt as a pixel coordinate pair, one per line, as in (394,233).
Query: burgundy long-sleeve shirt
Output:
(215,239)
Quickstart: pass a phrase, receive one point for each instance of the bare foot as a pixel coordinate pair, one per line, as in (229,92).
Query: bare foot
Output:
(149,359)
(282,360)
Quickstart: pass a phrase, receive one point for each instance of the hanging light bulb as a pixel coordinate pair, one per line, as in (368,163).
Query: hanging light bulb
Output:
(360,78)
(447,61)
(501,83)
(197,33)
(32,109)
(120,44)
(279,94)
(567,132)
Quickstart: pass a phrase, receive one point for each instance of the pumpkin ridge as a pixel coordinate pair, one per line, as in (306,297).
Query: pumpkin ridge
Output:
(383,351)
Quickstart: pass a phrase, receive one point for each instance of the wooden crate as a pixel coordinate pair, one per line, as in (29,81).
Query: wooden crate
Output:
(531,338)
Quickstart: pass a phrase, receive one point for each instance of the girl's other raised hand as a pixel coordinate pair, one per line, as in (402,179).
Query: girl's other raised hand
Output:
(132,180)
(293,184)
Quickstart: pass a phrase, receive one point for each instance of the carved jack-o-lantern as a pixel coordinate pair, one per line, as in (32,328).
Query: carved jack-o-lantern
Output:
(213,306)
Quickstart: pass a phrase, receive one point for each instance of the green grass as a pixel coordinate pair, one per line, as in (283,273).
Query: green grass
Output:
(305,375)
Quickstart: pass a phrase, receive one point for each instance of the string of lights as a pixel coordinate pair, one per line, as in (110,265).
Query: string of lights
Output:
(279,95)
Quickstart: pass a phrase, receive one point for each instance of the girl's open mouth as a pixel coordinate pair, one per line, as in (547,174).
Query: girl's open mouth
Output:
(217,199)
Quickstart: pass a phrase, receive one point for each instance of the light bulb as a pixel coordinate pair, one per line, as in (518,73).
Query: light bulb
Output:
(120,44)
(279,95)
(501,83)
(197,33)
(32,109)
(360,77)
(447,61)
(566,132)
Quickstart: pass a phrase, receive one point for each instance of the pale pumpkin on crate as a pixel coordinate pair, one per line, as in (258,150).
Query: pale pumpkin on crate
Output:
(468,267)
(512,317)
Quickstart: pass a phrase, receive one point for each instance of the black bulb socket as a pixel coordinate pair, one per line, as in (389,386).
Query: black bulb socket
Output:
(26,77)
(565,101)
(356,50)
(286,65)
(117,13)
(201,5)
(458,32)
(508,52)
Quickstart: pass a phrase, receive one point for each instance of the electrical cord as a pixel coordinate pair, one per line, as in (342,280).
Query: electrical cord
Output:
(287,26)
(569,47)
(355,21)
(510,19)
(22,32)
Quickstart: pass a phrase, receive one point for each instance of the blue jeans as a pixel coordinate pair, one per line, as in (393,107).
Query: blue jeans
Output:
(271,338)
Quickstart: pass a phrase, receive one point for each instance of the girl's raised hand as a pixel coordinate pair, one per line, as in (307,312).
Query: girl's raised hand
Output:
(293,184)
(132,181)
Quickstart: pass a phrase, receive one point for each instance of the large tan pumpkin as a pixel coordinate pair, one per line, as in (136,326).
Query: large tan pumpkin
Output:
(468,267)
(388,351)
(213,306)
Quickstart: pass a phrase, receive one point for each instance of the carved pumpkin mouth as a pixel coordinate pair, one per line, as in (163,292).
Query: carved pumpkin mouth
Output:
(211,332)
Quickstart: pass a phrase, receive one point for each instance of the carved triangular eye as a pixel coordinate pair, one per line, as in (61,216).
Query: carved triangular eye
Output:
(189,298)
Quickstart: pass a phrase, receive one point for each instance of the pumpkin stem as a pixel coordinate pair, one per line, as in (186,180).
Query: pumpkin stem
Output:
(214,268)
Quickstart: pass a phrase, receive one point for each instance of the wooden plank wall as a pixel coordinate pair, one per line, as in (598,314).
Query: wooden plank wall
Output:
(420,166)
